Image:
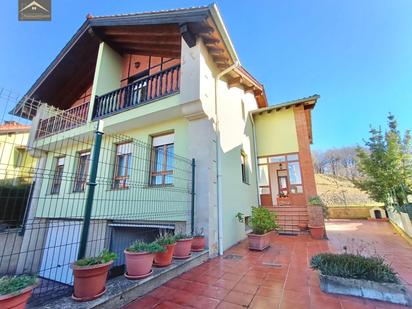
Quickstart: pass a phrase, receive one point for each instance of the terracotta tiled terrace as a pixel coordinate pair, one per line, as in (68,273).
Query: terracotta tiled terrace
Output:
(280,276)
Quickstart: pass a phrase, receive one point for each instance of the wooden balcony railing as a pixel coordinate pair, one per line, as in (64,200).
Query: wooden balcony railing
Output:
(68,119)
(139,92)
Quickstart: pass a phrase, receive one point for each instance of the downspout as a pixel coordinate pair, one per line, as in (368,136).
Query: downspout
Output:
(218,162)
(255,158)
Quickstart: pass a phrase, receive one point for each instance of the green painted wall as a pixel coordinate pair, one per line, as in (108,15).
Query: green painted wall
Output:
(107,74)
(237,196)
(108,70)
(140,201)
(276,132)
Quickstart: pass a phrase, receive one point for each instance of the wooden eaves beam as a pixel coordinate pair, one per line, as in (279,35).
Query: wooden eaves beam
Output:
(235,82)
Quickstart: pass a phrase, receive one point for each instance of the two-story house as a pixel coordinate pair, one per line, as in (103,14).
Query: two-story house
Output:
(173,80)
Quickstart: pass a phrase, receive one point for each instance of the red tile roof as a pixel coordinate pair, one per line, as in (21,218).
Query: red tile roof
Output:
(14,126)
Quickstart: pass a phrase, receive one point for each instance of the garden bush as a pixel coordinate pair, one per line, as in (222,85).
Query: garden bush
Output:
(13,199)
(354,266)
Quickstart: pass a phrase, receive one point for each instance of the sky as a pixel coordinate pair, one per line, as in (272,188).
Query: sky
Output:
(357,55)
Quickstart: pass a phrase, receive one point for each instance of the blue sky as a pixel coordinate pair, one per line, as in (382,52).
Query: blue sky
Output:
(356,54)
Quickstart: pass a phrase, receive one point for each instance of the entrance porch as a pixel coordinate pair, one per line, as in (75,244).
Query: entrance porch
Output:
(282,189)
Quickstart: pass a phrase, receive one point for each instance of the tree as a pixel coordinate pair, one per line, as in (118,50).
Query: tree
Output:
(341,162)
(386,165)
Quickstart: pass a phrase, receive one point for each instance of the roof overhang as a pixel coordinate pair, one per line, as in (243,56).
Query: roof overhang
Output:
(308,103)
(56,84)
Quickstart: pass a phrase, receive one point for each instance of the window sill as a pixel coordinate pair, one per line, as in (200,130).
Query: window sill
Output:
(118,189)
(77,192)
(161,186)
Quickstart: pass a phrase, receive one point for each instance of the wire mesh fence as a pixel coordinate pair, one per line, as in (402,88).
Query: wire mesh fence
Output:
(47,187)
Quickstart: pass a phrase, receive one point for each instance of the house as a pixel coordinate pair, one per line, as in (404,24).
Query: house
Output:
(15,164)
(173,81)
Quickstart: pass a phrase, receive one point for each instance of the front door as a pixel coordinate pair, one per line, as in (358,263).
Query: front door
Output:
(279,184)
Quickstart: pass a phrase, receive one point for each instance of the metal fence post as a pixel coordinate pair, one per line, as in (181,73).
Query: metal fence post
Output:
(90,193)
(192,223)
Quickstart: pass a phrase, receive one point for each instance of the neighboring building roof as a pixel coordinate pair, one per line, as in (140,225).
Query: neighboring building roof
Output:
(308,102)
(14,127)
(53,87)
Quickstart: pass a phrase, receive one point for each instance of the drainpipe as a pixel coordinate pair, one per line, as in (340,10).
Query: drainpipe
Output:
(256,158)
(218,161)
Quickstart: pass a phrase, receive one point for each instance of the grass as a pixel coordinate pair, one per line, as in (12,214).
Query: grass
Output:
(340,191)
(354,266)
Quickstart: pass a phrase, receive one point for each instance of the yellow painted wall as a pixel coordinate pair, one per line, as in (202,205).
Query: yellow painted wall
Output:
(15,162)
(276,132)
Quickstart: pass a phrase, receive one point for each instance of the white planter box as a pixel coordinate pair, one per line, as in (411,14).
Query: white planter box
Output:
(389,292)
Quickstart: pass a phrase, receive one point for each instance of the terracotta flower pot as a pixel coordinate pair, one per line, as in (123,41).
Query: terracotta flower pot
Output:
(163,259)
(182,249)
(16,301)
(138,264)
(259,242)
(90,281)
(302,226)
(317,232)
(198,243)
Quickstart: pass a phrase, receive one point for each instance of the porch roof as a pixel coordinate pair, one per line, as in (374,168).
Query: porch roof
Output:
(307,102)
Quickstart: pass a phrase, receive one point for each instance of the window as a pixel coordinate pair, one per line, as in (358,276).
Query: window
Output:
(262,160)
(20,154)
(58,175)
(283,187)
(162,160)
(138,91)
(263,175)
(293,157)
(277,159)
(243,165)
(295,177)
(123,165)
(81,172)
(243,110)
(264,190)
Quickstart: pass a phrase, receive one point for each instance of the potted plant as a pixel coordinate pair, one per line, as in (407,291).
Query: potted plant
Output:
(262,223)
(163,259)
(316,212)
(90,275)
(283,199)
(183,246)
(302,226)
(16,291)
(198,243)
(139,259)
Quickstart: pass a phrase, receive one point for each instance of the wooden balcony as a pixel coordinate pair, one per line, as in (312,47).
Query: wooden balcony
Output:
(68,119)
(139,92)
